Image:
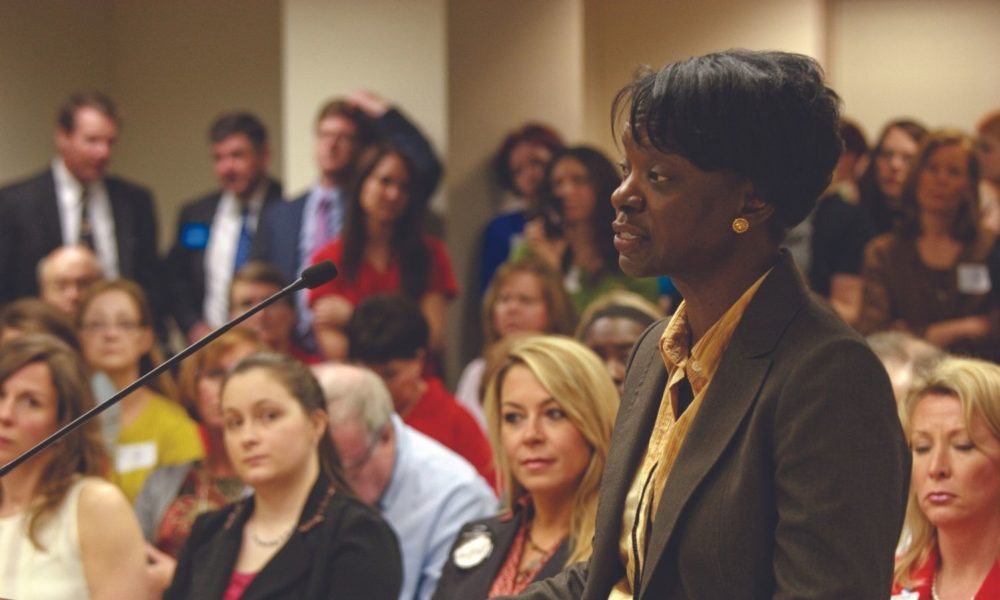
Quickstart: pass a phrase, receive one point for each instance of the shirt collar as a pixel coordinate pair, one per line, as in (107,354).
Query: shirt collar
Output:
(699,363)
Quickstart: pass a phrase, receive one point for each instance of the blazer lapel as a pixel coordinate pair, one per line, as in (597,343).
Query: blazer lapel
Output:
(121,213)
(730,395)
(629,440)
(285,568)
(220,556)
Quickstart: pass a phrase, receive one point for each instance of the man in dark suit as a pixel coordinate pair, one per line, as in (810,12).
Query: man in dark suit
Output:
(291,232)
(215,232)
(73,201)
(756,452)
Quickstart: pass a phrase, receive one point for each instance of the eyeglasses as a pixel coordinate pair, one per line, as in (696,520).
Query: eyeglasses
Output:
(104,327)
(376,440)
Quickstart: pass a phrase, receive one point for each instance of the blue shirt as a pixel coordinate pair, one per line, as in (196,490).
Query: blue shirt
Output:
(431,494)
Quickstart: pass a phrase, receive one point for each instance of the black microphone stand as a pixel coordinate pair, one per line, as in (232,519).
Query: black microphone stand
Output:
(314,276)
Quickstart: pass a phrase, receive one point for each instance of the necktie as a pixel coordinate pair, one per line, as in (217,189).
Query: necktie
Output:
(86,237)
(243,245)
(321,233)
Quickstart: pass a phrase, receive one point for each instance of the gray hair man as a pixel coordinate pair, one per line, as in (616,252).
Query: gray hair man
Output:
(425,491)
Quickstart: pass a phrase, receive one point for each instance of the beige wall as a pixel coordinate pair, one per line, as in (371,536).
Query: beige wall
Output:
(936,61)
(508,62)
(171,67)
(47,50)
(622,35)
(393,47)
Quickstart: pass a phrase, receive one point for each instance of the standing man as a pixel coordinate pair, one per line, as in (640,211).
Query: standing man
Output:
(292,232)
(73,201)
(425,491)
(215,232)
(757,452)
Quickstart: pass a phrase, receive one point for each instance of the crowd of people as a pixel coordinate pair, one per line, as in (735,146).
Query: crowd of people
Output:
(705,299)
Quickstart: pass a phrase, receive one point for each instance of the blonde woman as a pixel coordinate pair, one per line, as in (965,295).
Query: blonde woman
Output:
(549,409)
(952,422)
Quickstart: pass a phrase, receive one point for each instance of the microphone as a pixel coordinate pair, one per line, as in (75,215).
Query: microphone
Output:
(312,277)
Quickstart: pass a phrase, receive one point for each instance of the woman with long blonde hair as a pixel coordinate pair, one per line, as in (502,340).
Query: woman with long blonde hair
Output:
(952,421)
(549,407)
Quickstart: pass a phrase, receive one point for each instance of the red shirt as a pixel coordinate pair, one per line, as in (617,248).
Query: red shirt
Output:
(370,281)
(923,576)
(238,583)
(437,415)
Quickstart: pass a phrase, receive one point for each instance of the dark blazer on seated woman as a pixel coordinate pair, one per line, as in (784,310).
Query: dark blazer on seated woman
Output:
(341,549)
(475,580)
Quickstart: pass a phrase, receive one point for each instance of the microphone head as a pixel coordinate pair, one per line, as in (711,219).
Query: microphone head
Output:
(318,274)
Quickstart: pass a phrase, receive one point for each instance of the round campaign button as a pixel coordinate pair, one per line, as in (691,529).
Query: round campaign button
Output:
(473,548)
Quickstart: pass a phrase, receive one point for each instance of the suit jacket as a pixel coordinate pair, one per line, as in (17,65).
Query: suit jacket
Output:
(186,261)
(475,582)
(341,549)
(277,237)
(31,227)
(791,482)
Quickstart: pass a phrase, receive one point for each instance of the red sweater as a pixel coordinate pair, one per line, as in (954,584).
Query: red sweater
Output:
(923,577)
(438,416)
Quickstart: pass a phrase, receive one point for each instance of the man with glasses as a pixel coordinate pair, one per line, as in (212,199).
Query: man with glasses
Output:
(64,276)
(425,491)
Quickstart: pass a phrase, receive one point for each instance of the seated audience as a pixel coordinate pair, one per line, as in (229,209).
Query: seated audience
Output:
(839,230)
(173,497)
(930,277)
(952,421)
(31,315)
(64,532)
(115,325)
(64,276)
(424,490)
(988,158)
(275,325)
(519,167)
(880,189)
(302,534)
(610,327)
(526,295)
(389,335)
(573,232)
(906,358)
(550,409)
(383,249)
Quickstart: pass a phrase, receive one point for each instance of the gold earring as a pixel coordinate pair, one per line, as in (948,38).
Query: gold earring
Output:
(741,225)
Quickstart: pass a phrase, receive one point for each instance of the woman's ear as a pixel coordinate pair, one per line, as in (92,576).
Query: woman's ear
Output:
(754,209)
(318,423)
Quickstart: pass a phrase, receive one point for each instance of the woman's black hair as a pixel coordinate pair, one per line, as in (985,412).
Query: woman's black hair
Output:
(767,116)
(408,230)
(604,179)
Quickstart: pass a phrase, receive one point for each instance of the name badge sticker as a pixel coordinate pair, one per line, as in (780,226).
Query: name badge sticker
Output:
(131,457)
(974,278)
(906,595)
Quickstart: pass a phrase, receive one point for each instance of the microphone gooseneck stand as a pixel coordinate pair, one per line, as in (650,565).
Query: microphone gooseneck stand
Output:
(311,277)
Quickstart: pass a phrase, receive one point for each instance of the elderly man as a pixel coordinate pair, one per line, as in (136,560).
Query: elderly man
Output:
(425,491)
(64,276)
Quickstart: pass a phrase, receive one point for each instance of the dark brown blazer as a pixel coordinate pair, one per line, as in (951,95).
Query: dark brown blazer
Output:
(792,481)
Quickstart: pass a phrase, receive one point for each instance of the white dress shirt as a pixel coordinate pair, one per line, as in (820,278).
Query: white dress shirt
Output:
(69,193)
(220,255)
